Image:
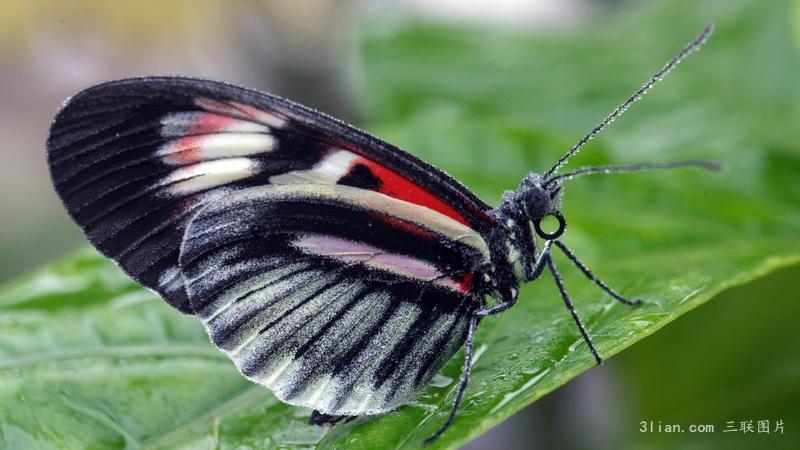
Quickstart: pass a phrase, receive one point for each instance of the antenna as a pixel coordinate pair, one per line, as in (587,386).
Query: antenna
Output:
(658,76)
(639,167)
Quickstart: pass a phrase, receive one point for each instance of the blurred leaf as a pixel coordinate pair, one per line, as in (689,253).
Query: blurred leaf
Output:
(796,18)
(88,360)
(735,359)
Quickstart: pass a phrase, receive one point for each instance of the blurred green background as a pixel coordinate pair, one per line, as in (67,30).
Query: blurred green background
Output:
(734,359)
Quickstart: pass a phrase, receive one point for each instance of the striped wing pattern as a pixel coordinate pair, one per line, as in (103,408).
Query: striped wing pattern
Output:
(133,160)
(323,300)
(330,266)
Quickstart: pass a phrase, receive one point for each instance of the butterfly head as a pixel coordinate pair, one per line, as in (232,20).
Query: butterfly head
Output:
(530,212)
(539,200)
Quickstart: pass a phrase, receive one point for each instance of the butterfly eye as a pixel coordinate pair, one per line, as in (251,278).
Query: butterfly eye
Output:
(554,221)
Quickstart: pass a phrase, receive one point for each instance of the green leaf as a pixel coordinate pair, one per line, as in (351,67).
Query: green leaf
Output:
(741,364)
(796,17)
(88,360)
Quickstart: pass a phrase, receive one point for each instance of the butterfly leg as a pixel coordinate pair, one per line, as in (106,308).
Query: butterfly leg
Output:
(462,386)
(538,268)
(322,419)
(588,273)
(560,284)
(498,308)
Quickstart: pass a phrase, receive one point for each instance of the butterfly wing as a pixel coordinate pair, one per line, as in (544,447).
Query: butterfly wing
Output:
(337,298)
(134,160)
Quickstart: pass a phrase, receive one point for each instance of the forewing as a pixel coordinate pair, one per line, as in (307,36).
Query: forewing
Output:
(134,159)
(336,298)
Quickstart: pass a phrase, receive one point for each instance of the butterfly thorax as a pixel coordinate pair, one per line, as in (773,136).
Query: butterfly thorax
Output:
(519,214)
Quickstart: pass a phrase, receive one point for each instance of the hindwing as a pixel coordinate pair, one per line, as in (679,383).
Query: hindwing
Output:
(336,298)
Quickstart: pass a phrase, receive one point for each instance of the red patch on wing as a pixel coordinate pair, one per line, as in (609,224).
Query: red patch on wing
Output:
(395,185)
(465,283)
(186,149)
(408,227)
(206,123)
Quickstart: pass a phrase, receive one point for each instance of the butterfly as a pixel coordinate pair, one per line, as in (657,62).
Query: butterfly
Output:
(330,266)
